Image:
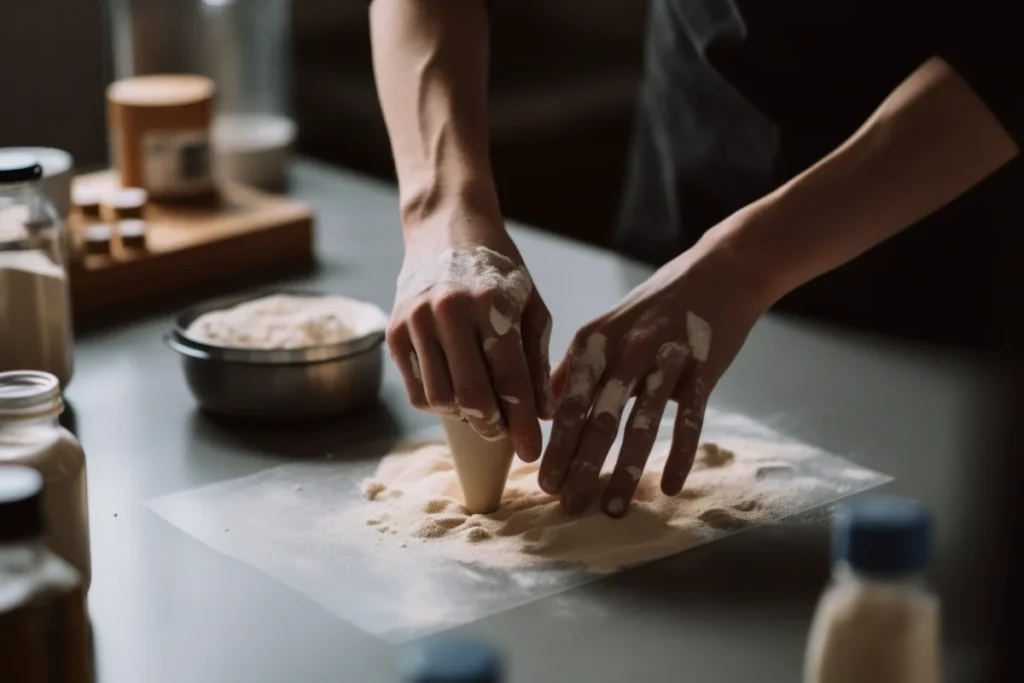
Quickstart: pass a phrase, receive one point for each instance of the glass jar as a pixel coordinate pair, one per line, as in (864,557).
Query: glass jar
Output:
(246,51)
(30,436)
(35,298)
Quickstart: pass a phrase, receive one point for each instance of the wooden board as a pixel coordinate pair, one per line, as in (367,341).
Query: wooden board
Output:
(194,250)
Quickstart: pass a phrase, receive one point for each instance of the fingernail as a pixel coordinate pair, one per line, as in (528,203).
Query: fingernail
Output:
(671,486)
(550,483)
(615,507)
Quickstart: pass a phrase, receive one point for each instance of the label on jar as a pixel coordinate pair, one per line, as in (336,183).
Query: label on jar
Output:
(176,162)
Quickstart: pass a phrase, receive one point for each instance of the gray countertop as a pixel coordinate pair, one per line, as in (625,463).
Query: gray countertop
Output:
(165,607)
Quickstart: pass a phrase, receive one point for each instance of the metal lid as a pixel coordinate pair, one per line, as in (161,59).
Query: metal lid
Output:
(21,513)
(28,392)
(16,167)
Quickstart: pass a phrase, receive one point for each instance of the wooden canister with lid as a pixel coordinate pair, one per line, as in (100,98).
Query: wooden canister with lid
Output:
(160,134)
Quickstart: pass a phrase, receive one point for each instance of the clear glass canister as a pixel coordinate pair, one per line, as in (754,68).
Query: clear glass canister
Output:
(246,51)
(35,298)
(30,436)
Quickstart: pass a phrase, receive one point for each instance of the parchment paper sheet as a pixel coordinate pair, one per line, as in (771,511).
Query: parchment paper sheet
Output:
(273,520)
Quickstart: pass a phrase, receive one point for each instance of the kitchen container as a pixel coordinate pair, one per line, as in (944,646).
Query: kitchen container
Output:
(280,384)
(247,53)
(31,436)
(35,301)
(159,128)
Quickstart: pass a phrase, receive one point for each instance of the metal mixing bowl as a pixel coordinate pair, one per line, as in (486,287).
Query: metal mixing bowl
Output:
(280,384)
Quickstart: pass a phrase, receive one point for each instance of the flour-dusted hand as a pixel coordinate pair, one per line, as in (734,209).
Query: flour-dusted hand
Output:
(670,339)
(470,333)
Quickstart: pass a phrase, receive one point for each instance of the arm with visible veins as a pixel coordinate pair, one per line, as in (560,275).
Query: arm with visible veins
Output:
(467,328)
(930,141)
(430,61)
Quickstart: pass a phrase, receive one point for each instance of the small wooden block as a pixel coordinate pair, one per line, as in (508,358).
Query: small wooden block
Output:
(193,250)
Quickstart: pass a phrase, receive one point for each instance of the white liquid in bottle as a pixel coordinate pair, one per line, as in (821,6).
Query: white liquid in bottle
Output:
(876,622)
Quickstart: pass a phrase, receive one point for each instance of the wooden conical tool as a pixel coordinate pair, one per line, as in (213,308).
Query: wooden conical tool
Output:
(482,465)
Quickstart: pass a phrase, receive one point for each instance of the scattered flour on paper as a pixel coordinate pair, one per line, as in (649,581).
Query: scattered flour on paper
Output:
(397,555)
(415,500)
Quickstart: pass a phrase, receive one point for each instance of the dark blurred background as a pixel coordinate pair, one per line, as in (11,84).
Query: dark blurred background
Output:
(561,111)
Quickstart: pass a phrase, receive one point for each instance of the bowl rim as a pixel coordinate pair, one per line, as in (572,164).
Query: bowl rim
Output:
(179,341)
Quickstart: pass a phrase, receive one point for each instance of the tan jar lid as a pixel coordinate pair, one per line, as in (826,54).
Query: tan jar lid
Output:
(164,90)
(163,101)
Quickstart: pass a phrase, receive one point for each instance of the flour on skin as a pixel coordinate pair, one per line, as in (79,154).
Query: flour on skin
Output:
(670,355)
(586,367)
(613,398)
(500,323)
(698,335)
(477,269)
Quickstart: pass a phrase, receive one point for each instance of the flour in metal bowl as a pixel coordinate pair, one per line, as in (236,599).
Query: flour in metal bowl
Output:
(283,321)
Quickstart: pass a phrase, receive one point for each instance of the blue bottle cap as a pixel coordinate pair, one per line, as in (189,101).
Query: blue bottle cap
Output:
(451,661)
(883,535)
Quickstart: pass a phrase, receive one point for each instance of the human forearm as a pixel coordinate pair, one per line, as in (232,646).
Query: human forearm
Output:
(929,141)
(430,61)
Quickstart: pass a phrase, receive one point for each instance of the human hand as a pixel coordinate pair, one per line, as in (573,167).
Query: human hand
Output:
(670,339)
(470,333)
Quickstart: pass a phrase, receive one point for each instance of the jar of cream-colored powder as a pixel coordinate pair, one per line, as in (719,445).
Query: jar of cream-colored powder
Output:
(30,436)
(35,301)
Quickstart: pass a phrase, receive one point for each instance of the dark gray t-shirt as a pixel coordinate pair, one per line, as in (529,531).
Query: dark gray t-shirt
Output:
(740,95)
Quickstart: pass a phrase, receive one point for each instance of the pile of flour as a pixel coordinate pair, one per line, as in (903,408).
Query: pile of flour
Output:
(415,499)
(287,322)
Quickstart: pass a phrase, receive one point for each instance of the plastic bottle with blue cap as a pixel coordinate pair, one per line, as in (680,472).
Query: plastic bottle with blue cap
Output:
(877,621)
(451,661)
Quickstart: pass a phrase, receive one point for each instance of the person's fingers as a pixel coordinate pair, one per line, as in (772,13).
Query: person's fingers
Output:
(686,433)
(642,427)
(469,376)
(536,339)
(598,436)
(585,368)
(433,366)
(403,354)
(558,376)
(510,377)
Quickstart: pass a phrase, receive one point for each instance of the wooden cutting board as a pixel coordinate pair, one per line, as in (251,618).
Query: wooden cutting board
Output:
(195,250)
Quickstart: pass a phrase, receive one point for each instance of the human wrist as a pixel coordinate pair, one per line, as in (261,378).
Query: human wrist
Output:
(743,243)
(434,203)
